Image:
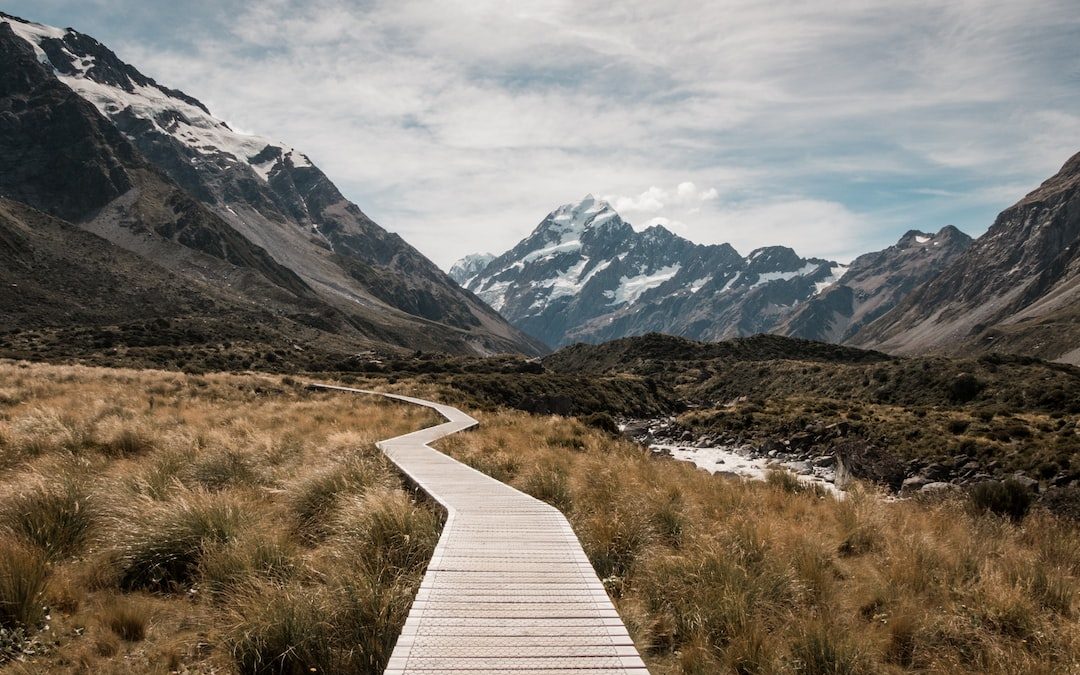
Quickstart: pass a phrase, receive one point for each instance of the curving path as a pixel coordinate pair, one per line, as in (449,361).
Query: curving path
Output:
(508,589)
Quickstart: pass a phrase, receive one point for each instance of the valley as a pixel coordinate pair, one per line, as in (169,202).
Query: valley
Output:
(247,430)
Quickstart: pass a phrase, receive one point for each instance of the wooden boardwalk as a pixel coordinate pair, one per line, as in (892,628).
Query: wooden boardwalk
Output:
(508,589)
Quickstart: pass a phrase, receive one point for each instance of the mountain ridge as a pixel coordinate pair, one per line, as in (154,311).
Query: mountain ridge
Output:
(585,274)
(244,200)
(1015,289)
(874,283)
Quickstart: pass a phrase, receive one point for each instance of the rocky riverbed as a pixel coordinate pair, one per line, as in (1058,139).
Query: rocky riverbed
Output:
(740,462)
(827,455)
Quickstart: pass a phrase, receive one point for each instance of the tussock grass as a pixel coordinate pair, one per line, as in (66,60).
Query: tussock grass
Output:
(166,541)
(268,557)
(348,624)
(387,533)
(715,575)
(23,572)
(127,618)
(218,470)
(280,630)
(215,523)
(319,495)
(822,650)
(58,515)
(549,483)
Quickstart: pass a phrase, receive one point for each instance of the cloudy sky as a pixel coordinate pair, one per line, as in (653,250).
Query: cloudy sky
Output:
(830,126)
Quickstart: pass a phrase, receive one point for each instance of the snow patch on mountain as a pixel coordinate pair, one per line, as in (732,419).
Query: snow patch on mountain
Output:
(559,236)
(766,277)
(34,33)
(731,282)
(836,272)
(697,284)
(586,274)
(553,250)
(632,288)
(185,122)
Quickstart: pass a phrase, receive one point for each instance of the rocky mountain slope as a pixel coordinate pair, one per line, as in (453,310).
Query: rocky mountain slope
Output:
(873,284)
(90,140)
(1016,289)
(584,274)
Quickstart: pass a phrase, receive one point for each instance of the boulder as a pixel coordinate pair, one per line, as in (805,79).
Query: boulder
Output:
(838,429)
(936,486)
(859,459)
(1026,481)
(935,472)
(914,483)
(801,440)
(772,446)
(801,468)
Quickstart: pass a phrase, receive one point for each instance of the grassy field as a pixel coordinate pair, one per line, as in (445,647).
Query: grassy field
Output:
(720,576)
(158,522)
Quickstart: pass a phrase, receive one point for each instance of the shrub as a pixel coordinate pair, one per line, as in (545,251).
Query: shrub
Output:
(58,518)
(965,387)
(167,541)
(1004,498)
(23,572)
(602,421)
(957,426)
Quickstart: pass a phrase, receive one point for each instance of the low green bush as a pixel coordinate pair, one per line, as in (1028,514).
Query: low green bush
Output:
(1008,498)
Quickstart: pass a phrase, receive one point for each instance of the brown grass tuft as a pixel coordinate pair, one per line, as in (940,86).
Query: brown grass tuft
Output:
(23,573)
(128,618)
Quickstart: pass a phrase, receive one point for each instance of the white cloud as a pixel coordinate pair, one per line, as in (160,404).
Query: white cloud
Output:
(684,198)
(460,124)
(812,227)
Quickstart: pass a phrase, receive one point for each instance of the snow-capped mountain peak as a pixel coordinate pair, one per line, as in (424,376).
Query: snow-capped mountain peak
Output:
(126,96)
(584,273)
(571,220)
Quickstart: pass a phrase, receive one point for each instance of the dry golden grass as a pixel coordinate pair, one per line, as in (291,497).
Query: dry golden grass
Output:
(714,575)
(236,523)
(158,522)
